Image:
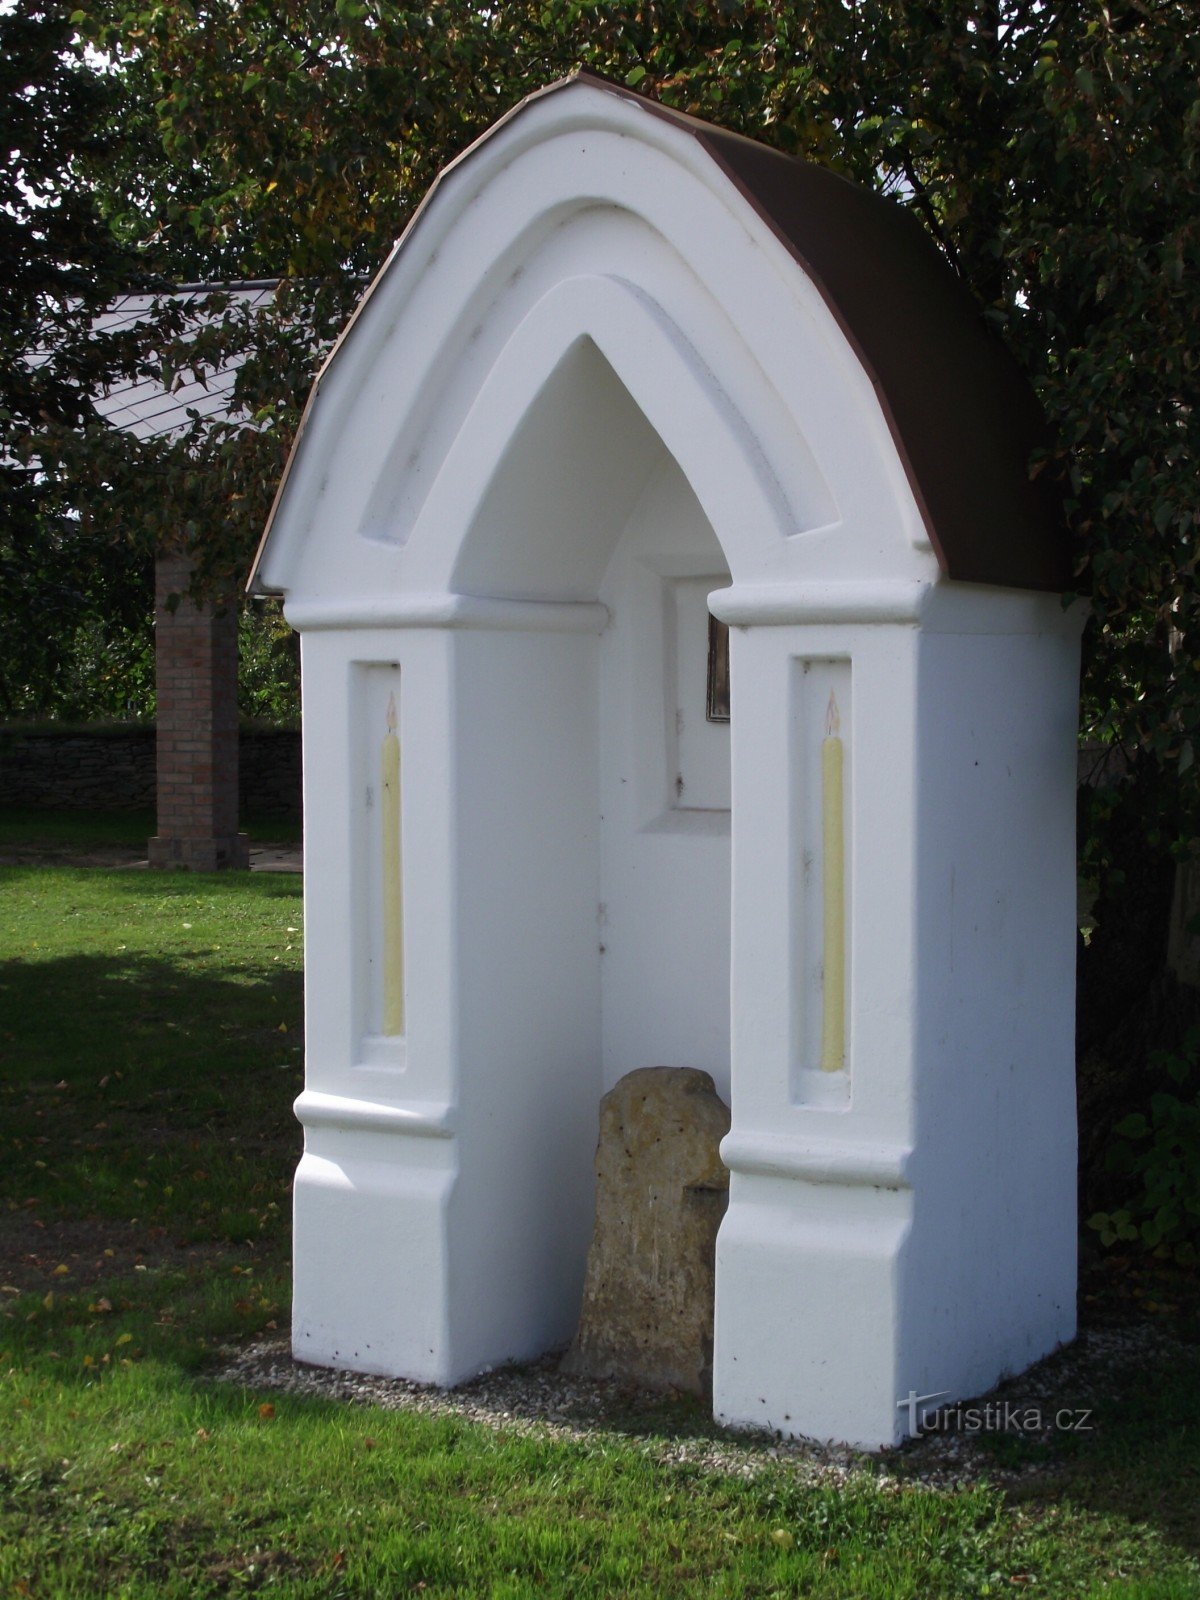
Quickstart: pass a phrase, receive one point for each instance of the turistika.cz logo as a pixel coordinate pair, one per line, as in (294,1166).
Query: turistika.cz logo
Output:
(993,1416)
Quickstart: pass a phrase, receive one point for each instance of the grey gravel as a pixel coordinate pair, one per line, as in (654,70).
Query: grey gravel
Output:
(538,1399)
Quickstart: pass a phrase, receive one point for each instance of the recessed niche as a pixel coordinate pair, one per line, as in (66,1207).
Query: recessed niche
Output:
(380,865)
(822,788)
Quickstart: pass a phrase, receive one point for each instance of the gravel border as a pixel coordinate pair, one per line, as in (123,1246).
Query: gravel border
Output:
(537,1399)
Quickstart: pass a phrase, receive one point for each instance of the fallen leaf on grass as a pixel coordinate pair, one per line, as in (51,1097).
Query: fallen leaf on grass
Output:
(266,1411)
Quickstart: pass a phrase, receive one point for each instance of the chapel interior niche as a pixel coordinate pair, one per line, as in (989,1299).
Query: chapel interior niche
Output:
(588,504)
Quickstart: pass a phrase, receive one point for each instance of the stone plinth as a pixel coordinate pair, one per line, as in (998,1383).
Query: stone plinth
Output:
(661,1192)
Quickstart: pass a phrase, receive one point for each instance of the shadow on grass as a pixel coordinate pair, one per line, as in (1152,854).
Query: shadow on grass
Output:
(175,1311)
(31,826)
(141,1088)
(34,825)
(160,1022)
(144,884)
(1142,1462)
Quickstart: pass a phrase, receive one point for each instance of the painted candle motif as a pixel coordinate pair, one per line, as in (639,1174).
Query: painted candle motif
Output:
(833,879)
(393,903)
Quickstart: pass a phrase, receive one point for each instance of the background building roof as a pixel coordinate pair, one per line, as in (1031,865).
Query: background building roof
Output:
(146,407)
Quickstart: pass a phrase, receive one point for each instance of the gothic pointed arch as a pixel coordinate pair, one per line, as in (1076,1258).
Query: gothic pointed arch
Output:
(825,383)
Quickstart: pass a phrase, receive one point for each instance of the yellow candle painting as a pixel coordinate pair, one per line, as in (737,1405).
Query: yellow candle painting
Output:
(833,1018)
(393,915)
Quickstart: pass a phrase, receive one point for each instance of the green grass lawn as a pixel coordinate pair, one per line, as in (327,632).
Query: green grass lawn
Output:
(150,1034)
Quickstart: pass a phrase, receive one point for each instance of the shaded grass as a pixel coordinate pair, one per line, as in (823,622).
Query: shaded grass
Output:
(149,1025)
(150,1046)
(31,827)
(38,825)
(1140,1460)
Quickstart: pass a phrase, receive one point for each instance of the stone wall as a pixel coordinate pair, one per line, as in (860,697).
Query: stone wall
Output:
(269,759)
(113,768)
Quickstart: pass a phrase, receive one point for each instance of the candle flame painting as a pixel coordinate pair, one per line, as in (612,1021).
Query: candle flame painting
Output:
(393,900)
(833,890)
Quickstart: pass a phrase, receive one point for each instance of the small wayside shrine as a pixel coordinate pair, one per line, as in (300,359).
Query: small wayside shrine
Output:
(686,683)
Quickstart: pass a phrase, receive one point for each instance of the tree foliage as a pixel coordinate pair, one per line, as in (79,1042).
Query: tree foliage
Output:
(58,264)
(1050,151)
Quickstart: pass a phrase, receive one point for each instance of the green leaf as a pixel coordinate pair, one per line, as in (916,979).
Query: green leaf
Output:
(1134,1126)
(1177,1069)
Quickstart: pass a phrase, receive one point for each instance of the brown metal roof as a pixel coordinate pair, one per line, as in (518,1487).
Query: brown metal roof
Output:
(962,414)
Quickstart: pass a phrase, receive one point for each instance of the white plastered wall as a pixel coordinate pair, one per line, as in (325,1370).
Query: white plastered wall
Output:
(663,797)
(590,385)
(922,1207)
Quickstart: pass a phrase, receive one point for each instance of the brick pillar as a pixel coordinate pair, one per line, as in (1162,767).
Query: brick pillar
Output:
(196,675)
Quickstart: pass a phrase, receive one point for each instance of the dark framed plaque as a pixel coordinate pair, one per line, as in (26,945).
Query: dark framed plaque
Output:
(717,703)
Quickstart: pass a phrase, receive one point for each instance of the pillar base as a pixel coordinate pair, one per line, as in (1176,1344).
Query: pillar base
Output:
(809,1312)
(230,852)
(371,1282)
